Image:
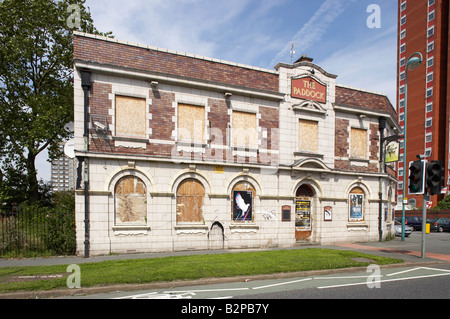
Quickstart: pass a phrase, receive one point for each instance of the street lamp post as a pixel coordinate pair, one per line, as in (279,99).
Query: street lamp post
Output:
(414,61)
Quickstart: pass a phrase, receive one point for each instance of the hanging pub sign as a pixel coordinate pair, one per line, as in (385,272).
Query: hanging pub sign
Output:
(309,88)
(242,206)
(392,152)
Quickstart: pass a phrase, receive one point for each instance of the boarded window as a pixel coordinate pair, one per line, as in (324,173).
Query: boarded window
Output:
(190,196)
(191,123)
(242,202)
(356,205)
(130,117)
(131,201)
(244,130)
(358,143)
(308,136)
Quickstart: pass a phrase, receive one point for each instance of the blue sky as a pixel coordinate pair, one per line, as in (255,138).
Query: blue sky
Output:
(260,33)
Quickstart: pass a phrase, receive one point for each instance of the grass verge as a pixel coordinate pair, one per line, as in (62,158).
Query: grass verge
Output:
(166,269)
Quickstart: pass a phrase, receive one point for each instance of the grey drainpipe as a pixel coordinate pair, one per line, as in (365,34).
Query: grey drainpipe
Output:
(86,85)
(382,122)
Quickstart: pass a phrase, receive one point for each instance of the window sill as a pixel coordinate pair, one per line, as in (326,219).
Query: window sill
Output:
(244,228)
(191,229)
(309,154)
(131,230)
(357,226)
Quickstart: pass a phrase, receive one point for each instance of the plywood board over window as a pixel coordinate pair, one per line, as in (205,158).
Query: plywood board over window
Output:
(131,201)
(244,129)
(308,136)
(191,123)
(190,195)
(358,143)
(130,116)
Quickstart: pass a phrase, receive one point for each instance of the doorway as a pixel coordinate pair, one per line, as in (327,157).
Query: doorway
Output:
(303,212)
(216,237)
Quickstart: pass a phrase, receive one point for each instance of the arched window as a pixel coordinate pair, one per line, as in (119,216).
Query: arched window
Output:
(242,200)
(131,201)
(190,196)
(356,205)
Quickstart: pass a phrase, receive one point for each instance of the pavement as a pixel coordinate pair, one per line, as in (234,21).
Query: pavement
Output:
(437,246)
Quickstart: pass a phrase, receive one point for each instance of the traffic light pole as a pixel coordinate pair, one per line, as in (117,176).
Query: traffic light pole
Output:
(424,221)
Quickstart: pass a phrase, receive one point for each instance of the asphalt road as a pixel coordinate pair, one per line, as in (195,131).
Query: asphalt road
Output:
(420,278)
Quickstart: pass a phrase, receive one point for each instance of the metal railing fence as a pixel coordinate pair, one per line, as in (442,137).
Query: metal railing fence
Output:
(37,231)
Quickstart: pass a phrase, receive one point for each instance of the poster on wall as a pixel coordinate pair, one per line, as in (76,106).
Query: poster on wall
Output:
(242,206)
(356,207)
(303,215)
(327,213)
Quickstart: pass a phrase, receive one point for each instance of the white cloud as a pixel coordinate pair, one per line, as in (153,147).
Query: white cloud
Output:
(186,25)
(369,64)
(314,29)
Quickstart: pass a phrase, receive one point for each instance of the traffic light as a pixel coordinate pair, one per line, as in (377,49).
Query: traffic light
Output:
(416,177)
(435,177)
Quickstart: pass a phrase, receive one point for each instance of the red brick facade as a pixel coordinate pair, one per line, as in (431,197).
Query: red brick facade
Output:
(111,54)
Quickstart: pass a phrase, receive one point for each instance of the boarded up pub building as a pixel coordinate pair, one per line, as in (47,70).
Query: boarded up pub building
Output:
(183,152)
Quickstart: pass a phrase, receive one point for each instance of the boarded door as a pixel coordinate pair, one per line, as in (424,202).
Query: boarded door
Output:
(216,237)
(303,212)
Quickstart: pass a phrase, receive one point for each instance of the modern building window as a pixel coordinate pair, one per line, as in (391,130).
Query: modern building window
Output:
(430,2)
(130,117)
(428,123)
(430,31)
(403,20)
(190,195)
(191,123)
(358,143)
(430,47)
(356,205)
(431,16)
(428,152)
(242,202)
(402,62)
(429,92)
(130,201)
(430,77)
(429,107)
(430,62)
(308,136)
(403,6)
(402,48)
(244,133)
(429,137)
(403,34)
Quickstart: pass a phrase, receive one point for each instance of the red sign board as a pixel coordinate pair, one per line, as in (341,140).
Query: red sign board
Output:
(309,89)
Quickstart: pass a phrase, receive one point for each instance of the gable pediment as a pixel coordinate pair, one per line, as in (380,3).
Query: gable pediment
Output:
(309,106)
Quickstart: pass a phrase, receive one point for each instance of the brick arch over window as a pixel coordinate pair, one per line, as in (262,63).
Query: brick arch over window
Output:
(190,196)
(130,194)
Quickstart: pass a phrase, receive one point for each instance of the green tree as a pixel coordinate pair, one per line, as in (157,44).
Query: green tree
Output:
(36,87)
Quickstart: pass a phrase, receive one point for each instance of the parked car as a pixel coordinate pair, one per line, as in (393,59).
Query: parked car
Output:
(439,224)
(398,229)
(413,221)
